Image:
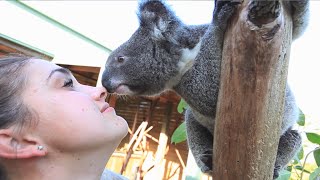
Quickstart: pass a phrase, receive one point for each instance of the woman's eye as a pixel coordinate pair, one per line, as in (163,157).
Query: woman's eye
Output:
(68,83)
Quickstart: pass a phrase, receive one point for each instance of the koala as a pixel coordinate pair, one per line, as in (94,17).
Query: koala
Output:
(166,54)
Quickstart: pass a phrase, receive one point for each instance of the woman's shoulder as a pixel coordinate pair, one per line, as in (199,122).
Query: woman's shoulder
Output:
(109,175)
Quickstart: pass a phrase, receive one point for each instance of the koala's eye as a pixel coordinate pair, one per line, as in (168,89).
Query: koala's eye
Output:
(120,59)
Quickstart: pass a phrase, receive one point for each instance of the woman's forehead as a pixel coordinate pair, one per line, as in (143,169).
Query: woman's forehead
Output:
(39,70)
(43,63)
(42,66)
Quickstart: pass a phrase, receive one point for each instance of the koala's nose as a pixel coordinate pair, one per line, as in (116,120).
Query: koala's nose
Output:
(106,82)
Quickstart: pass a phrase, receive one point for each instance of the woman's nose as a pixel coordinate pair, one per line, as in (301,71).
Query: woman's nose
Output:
(99,93)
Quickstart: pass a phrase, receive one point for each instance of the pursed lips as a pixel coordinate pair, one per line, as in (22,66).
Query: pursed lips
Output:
(104,107)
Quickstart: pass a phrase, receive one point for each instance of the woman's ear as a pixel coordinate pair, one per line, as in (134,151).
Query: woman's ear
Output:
(17,146)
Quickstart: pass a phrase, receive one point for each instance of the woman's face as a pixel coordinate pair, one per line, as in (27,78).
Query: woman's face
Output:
(71,116)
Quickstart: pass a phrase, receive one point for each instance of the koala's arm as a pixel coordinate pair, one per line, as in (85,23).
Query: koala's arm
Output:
(289,145)
(199,141)
(300,17)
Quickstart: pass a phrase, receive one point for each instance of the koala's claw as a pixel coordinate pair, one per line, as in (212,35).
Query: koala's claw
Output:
(205,163)
(301,4)
(220,3)
(224,9)
(276,172)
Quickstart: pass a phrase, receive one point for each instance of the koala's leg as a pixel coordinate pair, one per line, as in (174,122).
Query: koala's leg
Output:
(200,142)
(289,145)
(223,10)
(291,111)
(300,16)
(290,140)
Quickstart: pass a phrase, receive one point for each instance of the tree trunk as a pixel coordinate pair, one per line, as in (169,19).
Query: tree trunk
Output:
(251,96)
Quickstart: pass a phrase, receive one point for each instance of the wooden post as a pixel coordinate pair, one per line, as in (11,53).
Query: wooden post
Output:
(163,138)
(251,95)
(135,121)
(135,137)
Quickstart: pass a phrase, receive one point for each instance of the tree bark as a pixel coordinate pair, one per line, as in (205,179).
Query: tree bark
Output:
(251,95)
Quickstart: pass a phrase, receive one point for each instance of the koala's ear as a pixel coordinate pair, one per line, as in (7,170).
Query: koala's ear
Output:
(158,17)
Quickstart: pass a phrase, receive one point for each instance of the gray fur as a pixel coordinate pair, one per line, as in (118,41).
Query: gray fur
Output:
(164,53)
(300,16)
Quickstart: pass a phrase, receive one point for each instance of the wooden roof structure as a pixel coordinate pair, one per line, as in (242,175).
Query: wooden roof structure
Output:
(11,46)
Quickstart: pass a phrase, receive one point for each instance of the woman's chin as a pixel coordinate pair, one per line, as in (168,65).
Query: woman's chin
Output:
(122,123)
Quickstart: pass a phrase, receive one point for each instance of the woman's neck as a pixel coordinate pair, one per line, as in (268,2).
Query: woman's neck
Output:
(80,166)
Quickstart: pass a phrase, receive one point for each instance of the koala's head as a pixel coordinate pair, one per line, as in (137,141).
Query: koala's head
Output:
(149,60)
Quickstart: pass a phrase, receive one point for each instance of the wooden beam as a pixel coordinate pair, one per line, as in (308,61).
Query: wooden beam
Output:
(135,121)
(141,134)
(163,138)
(91,69)
(251,95)
(180,158)
(142,126)
(24,48)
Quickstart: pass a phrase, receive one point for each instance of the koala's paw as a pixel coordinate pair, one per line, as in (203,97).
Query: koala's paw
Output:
(276,171)
(301,4)
(205,161)
(224,9)
(263,12)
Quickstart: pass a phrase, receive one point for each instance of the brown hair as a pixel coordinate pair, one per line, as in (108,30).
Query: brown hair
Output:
(12,83)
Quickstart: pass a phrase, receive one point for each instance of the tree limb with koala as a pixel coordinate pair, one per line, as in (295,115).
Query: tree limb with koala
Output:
(198,61)
(252,94)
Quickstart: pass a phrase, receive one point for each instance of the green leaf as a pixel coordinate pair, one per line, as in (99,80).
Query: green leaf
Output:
(179,135)
(301,169)
(316,155)
(284,175)
(300,154)
(315,174)
(298,157)
(302,118)
(313,137)
(182,105)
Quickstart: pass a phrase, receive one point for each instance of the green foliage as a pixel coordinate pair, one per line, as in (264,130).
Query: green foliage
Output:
(315,174)
(284,175)
(299,169)
(179,134)
(299,157)
(314,138)
(300,154)
(316,155)
(302,119)
(182,106)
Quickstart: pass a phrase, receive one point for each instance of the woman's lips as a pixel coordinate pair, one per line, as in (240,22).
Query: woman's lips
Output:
(104,107)
(109,109)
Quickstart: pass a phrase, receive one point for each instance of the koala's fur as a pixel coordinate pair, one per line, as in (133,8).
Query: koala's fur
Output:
(164,53)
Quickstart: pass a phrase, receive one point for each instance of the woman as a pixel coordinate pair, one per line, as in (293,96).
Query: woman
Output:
(51,126)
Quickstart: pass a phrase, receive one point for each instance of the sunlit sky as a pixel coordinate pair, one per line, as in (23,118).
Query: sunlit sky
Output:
(110,23)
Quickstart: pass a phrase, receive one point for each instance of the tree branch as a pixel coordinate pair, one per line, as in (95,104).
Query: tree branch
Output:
(251,96)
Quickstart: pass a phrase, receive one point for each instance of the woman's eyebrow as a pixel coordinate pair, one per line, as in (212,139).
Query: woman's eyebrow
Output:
(61,70)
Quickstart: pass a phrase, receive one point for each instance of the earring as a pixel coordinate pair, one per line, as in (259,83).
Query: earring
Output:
(40,148)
